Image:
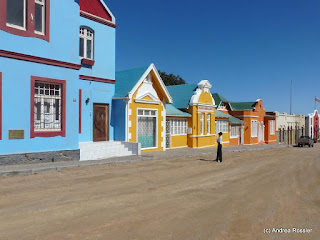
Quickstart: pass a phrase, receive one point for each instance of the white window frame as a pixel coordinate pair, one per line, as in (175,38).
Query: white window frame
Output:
(178,126)
(234,131)
(254,128)
(202,124)
(85,37)
(156,116)
(222,126)
(42,97)
(24,18)
(208,124)
(272,127)
(43,4)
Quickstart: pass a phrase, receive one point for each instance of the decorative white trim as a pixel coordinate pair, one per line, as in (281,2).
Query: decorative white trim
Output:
(144,76)
(272,141)
(147,101)
(163,124)
(194,101)
(108,10)
(157,128)
(252,144)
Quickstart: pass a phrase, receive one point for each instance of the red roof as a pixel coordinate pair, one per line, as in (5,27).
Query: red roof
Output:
(96,8)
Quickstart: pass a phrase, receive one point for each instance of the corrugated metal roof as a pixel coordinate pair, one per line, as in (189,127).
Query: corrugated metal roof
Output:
(238,106)
(218,98)
(96,8)
(126,80)
(174,112)
(231,119)
(181,94)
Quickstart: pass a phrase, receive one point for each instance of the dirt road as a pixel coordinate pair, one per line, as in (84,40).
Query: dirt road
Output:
(192,198)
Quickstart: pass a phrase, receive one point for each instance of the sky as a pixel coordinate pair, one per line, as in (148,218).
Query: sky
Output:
(247,49)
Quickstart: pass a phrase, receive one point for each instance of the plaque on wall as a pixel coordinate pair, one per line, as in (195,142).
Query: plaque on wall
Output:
(16,134)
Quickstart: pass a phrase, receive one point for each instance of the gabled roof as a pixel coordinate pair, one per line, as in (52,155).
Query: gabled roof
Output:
(235,106)
(182,94)
(97,8)
(126,80)
(231,119)
(171,111)
(240,106)
(218,98)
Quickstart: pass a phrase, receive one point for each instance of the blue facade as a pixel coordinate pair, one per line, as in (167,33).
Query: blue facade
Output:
(118,119)
(63,45)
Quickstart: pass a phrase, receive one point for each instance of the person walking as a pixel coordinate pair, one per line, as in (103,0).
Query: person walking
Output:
(219,150)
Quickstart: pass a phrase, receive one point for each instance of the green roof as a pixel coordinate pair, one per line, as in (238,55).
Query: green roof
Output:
(231,119)
(218,98)
(181,94)
(172,111)
(236,106)
(127,79)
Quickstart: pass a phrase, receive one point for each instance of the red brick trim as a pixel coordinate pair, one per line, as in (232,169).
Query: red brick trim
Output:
(0,105)
(96,79)
(30,58)
(80,109)
(33,132)
(30,27)
(97,19)
(85,61)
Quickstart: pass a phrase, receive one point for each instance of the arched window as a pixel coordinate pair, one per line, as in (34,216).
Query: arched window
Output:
(86,43)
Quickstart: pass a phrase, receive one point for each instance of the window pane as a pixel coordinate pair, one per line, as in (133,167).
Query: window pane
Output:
(81,47)
(89,46)
(39,18)
(15,12)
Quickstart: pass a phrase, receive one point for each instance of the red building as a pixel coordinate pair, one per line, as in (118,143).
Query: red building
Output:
(312,125)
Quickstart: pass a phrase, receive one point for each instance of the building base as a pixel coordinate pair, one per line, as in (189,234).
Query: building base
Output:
(25,158)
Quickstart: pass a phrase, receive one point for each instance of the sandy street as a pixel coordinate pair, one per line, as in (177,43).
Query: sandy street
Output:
(186,198)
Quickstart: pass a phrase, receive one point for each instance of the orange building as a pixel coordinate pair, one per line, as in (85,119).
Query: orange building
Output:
(259,127)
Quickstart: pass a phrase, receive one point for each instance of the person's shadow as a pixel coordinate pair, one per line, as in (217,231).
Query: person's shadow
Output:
(206,160)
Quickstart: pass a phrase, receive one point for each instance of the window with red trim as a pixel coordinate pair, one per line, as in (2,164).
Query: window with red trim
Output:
(48,105)
(29,18)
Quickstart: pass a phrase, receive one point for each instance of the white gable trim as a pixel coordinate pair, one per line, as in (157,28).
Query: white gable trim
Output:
(108,10)
(195,98)
(143,77)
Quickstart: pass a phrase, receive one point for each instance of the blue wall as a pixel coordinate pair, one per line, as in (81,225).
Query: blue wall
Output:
(104,50)
(16,84)
(97,93)
(64,35)
(65,22)
(118,119)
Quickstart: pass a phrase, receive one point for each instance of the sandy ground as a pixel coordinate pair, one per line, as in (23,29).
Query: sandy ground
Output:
(185,198)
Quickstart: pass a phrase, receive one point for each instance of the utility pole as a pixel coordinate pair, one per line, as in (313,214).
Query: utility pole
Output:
(291,98)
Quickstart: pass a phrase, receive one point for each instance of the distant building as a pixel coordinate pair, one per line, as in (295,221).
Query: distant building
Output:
(312,125)
(258,126)
(290,127)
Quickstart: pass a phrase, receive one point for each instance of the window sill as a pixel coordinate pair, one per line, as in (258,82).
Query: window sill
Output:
(47,134)
(89,62)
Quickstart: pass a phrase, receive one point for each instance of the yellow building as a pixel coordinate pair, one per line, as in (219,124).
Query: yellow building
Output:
(139,108)
(196,100)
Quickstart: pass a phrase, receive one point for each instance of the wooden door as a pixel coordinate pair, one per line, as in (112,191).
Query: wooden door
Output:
(100,122)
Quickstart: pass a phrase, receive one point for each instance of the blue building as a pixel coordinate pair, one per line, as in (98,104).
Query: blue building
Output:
(57,78)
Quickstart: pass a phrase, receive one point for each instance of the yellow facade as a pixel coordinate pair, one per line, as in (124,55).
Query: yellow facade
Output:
(200,136)
(148,103)
(179,141)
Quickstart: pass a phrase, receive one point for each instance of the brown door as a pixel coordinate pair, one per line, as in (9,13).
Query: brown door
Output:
(100,122)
